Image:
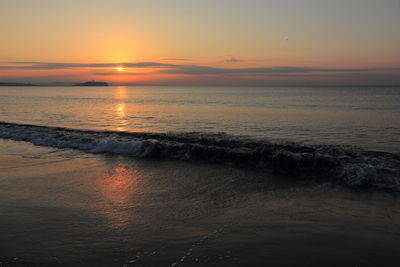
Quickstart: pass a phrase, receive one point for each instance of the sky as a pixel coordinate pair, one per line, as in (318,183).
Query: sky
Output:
(201,42)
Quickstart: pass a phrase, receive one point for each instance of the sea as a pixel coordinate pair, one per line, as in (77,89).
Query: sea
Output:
(199,176)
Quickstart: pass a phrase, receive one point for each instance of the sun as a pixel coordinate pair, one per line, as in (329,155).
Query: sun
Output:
(120,68)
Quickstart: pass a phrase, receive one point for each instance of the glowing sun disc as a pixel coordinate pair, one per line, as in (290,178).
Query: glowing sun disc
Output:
(120,68)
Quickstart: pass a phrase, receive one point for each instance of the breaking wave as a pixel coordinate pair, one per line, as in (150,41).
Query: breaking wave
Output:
(353,167)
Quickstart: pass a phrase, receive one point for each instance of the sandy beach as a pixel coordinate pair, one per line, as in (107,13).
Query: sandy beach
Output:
(68,208)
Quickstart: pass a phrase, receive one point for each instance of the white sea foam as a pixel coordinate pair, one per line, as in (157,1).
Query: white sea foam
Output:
(350,166)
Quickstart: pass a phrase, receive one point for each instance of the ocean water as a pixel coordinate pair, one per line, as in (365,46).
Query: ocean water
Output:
(348,135)
(368,117)
(199,176)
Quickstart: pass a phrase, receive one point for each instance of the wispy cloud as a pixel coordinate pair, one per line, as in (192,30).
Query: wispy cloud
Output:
(196,70)
(117,73)
(190,69)
(177,59)
(27,65)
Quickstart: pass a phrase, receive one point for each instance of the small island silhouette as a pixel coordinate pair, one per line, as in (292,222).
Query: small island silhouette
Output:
(91,83)
(17,84)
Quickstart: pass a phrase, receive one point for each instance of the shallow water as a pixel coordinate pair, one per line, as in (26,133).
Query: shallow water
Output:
(366,117)
(69,208)
(343,165)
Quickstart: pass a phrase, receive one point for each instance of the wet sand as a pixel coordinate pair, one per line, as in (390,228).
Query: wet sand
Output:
(67,208)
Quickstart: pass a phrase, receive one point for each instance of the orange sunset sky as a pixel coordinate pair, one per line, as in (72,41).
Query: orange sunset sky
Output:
(208,42)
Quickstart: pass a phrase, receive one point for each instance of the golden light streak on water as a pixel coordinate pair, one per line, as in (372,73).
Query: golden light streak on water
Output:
(116,190)
(120,113)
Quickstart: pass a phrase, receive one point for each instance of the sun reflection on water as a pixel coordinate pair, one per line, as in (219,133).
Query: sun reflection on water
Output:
(120,92)
(117,188)
(120,114)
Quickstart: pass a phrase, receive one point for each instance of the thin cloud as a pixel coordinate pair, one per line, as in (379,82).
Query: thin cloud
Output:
(177,59)
(191,69)
(118,73)
(198,70)
(52,65)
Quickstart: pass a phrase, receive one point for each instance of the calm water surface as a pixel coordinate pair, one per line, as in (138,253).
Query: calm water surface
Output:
(366,117)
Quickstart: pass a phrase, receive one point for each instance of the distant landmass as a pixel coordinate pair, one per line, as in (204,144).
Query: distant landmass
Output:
(17,84)
(92,83)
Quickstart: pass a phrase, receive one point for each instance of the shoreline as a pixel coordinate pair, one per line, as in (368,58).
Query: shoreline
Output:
(345,165)
(110,210)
